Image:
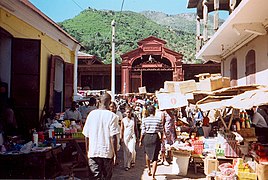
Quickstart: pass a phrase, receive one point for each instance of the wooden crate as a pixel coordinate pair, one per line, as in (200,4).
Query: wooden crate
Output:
(247,132)
(210,165)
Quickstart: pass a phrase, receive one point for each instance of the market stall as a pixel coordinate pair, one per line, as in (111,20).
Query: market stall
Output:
(237,138)
(34,163)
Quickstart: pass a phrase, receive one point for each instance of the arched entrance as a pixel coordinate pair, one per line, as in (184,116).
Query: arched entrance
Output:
(150,65)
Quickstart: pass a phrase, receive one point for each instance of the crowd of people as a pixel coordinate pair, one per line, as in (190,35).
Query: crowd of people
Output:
(131,121)
(126,123)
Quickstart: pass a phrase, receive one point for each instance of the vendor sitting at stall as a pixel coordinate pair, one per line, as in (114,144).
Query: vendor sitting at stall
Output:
(257,119)
(206,127)
(72,113)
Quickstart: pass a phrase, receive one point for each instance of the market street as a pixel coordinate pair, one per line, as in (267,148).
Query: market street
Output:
(140,170)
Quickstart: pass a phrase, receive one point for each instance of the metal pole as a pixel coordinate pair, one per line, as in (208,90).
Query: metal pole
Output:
(113,61)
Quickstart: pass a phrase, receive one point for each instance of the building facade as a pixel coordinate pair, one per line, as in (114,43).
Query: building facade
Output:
(150,65)
(241,43)
(37,61)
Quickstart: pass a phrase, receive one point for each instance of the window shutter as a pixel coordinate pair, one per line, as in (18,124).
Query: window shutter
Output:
(68,84)
(25,81)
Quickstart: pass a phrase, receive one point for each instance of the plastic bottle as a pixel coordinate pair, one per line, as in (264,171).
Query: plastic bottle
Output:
(35,138)
(237,125)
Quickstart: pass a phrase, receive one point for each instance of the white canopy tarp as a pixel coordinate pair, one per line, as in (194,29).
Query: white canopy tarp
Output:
(171,100)
(212,102)
(249,99)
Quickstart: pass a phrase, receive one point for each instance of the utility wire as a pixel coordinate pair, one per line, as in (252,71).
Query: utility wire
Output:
(120,13)
(78,5)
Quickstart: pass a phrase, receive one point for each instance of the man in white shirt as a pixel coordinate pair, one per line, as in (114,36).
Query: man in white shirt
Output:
(100,131)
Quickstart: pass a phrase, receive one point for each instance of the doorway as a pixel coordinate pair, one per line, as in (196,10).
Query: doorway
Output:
(154,80)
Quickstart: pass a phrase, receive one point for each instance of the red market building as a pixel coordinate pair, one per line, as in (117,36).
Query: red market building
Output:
(150,65)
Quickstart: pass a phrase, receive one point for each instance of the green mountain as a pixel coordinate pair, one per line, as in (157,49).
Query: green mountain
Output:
(92,29)
(182,22)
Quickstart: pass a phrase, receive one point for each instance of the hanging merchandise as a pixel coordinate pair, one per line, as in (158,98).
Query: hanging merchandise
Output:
(237,125)
(242,119)
(35,138)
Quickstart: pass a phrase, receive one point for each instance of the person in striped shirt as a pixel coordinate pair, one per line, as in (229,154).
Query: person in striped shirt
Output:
(151,139)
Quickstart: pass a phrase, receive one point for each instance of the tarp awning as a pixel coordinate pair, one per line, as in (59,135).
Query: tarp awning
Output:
(245,100)
(249,99)
(212,102)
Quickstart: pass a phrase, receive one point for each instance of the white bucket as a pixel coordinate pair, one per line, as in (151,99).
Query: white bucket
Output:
(180,165)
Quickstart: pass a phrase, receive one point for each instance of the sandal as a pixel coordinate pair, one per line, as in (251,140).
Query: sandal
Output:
(149,173)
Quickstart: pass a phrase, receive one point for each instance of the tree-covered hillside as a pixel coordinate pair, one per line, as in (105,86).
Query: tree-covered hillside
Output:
(92,29)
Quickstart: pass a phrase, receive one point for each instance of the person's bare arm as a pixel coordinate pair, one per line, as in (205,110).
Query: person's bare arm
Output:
(114,141)
(122,131)
(141,139)
(136,127)
(87,144)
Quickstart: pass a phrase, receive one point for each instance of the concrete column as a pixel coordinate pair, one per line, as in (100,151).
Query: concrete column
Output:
(198,34)
(75,70)
(125,80)
(205,20)
(216,14)
(232,4)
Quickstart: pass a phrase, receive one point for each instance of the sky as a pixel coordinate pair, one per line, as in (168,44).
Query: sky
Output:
(60,10)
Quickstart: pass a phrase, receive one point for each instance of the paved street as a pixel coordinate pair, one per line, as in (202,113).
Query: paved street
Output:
(140,170)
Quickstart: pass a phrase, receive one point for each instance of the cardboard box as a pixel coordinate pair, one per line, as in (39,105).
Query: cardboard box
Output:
(142,90)
(210,84)
(203,76)
(171,100)
(210,165)
(247,176)
(182,87)
(262,171)
(226,82)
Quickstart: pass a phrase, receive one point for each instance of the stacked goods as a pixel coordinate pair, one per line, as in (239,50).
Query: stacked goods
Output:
(203,76)
(210,165)
(211,82)
(226,82)
(210,145)
(181,149)
(227,171)
(262,170)
(231,147)
(245,171)
(220,152)
(181,87)
(198,146)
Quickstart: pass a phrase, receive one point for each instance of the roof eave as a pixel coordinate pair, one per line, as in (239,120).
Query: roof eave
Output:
(226,40)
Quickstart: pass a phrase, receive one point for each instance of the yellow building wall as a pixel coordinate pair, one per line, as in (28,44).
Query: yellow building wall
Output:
(19,29)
